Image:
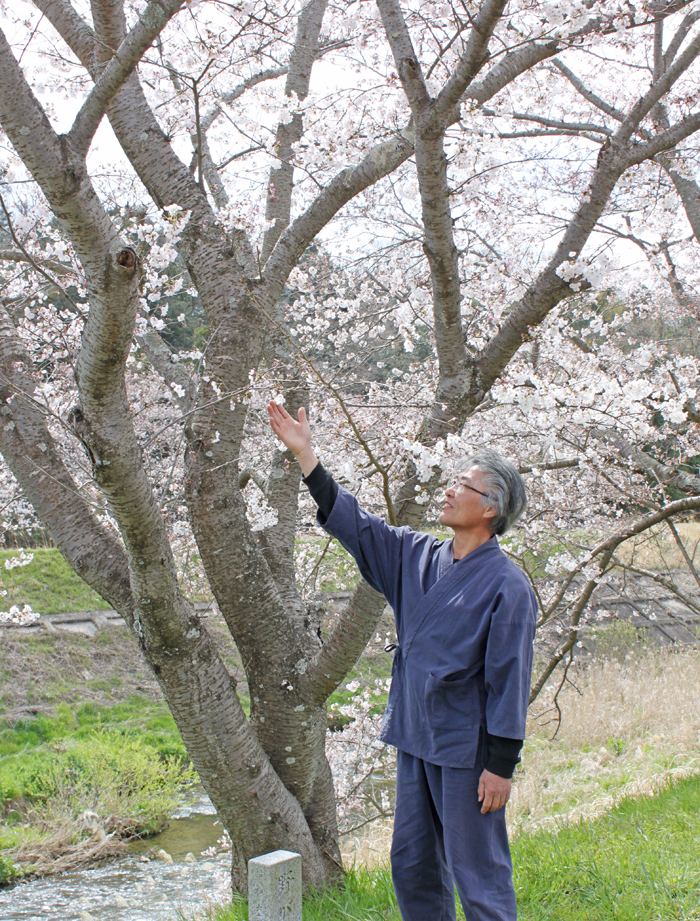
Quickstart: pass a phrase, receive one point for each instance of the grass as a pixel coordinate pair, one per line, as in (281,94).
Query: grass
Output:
(137,717)
(39,672)
(368,895)
(82,729)
(74,785)
(640,862)
(628,728)
(47,584)
(657,548)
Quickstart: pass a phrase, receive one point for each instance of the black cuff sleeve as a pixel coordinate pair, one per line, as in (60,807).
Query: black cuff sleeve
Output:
(504,754)
(323,489)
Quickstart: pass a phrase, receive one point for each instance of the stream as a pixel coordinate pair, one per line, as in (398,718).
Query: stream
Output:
(136,887)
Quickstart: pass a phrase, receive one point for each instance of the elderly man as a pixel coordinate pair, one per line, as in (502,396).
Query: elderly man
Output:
(465,621)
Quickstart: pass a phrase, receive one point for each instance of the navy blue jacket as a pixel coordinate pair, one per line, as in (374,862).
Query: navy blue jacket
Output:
(465,633)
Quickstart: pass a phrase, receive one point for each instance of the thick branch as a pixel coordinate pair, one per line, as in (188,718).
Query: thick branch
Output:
(686,301)
(173,372)
(665,140)
(282,493)
(151,23)
(304,54)
(31,454)
(230,96)
(586,93)
(661,580)
(405,58)
(25,122)
(341,650)
(350,182)
(549,288)
(514,63)
(163,173)
(657,90)
(475,56)
(658,472)
(438,239)
(689,193)
(76,33)
(679,37)
(605,551)
(569,127)
(53,265)
(354,628)
(206,163)
(509,68)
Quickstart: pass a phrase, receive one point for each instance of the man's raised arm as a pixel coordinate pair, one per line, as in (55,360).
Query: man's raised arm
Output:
(375,545)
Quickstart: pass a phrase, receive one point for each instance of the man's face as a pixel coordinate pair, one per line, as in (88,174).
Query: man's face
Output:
(463,507)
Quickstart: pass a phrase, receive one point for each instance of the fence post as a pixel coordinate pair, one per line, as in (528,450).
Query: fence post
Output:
(274,887)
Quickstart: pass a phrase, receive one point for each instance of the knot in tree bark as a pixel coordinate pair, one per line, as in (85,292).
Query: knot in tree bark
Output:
(127,258)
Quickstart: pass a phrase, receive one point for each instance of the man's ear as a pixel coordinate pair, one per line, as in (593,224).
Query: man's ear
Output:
(490,512)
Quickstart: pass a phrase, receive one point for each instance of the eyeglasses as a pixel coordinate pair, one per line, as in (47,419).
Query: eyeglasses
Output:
(459,484)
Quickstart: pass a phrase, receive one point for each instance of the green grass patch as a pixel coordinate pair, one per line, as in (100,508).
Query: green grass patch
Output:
(47,584)
(640,862)
(82,779)
(102,773)
(368,895)
(137,717)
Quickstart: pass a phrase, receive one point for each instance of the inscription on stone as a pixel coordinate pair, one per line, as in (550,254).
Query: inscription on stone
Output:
(274,887)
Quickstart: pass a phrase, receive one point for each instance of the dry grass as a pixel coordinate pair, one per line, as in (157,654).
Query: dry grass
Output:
(64,850)
(368,849)
(657,549)
(40,671)
(627,730)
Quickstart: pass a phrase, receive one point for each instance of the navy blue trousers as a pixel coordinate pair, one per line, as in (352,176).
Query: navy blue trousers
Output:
(441,839)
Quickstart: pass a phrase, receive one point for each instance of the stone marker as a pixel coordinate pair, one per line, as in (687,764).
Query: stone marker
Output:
(274,887)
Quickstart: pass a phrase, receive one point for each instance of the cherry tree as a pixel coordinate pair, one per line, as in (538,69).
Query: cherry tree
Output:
(419,221)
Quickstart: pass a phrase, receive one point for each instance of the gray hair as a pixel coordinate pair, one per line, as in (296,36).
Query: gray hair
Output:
(505,487)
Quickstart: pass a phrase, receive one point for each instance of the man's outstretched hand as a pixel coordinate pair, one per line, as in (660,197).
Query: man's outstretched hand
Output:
(494,792)
(294,435)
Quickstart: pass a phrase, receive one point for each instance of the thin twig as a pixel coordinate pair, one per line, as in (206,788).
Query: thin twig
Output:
(172,471)
(198,129)
(661,580)
(555,699)
(681,547)
(33,263)
(380,815)
(314,571)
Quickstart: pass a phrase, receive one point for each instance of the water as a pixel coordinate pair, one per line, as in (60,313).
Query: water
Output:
(134,888)
(138,887)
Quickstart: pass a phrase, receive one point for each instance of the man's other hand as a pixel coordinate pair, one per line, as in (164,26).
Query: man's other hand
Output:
(494,792)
